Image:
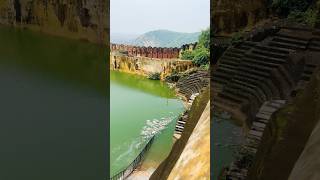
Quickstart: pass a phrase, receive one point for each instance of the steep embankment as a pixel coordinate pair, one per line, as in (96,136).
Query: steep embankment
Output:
(147,66)
(169,167)
(287,135)
(229,16)
(78,19)
(307,166)
(194,162)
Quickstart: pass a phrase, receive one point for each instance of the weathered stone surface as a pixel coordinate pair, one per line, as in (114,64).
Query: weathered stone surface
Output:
(194,161)
(78,19)
(146,65)
(232,15)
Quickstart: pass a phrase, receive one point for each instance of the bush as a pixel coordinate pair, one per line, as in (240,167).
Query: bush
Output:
(201,56)
(309,17)
(204,39)
(187,55)
(154,76)
(285,7)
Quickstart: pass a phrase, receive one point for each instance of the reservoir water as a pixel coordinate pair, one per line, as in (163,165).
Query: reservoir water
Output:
(52,108)
(136,103)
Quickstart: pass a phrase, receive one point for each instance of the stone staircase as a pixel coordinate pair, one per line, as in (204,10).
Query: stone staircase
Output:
(238,170)
(193,83)
(257,78)
(190,87)
(250,73)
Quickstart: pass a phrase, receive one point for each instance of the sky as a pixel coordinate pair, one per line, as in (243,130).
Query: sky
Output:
(140,16)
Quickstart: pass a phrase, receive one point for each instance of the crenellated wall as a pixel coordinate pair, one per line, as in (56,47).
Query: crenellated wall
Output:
(77,19)
(151,52)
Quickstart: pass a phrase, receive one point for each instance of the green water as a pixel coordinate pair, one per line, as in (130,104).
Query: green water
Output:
(134,100)
(227,138)
(52,108)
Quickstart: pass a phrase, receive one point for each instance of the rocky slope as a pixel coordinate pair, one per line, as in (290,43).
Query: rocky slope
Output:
(78,19)
(179,160)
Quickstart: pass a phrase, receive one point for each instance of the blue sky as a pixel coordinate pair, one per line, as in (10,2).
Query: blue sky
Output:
(140,16)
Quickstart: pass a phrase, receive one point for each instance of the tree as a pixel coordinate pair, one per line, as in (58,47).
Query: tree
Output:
(204,39)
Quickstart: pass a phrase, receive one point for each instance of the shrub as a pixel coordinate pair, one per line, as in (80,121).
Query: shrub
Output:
(201,56)
(285,7)
(187,55)
(154,76)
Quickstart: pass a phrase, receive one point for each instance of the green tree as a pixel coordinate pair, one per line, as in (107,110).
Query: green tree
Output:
(201,56)
(204,39)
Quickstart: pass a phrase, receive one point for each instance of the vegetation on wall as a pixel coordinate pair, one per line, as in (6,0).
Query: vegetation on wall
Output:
(302,11)
(201,55)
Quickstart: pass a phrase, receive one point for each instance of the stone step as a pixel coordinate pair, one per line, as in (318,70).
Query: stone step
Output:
(270,54)
(260,57)
(227,66)
(223,58)
(231,54)
(265,66)
(181,122)
(268,109)
(262,120)
(259,124)
(290,36)
(248,43)
(253,87)
(180,127)
(315,43)
(287,45)
(223,75)
(263,116)
(229,62)
(273,49)
(279,101)
(248,69)
(235,50)
(263,63)
(314,48)
(256,133)
(247,90)
(230,97)
(290,41)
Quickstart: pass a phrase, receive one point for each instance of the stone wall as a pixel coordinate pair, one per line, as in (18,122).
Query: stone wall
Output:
(78,19)
(232,15)
(194,161)
(146,66)
(152,52)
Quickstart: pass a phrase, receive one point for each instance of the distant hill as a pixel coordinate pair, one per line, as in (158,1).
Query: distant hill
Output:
(165,38)
(158,38)
(121,38)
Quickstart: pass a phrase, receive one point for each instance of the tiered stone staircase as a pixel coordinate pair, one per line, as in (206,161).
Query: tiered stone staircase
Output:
(193,83)
(251,73)
(238,170)
(190,86)
(254,79)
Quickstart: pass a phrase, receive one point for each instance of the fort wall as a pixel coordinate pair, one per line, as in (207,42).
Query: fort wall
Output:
(151,52)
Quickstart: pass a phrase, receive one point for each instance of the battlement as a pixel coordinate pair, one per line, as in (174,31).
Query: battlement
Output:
(152,52)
